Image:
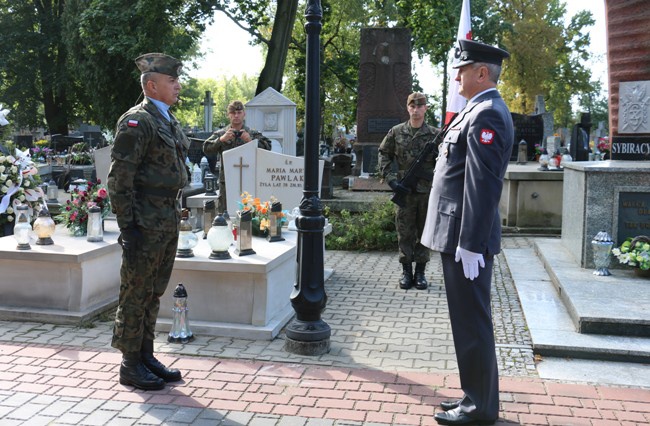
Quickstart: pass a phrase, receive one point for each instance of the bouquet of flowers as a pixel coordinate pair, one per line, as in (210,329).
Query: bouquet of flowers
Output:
(603,145)
(634,252)
(74,215)
(41,154)
(259,210)
(19,184)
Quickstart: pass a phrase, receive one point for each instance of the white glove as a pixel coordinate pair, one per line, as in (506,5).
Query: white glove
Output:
(471,262)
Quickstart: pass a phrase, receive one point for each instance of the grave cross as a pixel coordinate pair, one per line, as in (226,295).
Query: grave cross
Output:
(241,166)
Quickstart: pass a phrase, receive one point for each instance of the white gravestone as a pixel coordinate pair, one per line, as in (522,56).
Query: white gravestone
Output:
(102,163)
(263,174)
(275,116)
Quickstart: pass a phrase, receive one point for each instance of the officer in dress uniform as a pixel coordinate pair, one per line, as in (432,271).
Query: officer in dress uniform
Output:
(463,224)
(145,181)
(234,135)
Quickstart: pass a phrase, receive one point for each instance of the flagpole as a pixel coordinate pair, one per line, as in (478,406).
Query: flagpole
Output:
(455,102)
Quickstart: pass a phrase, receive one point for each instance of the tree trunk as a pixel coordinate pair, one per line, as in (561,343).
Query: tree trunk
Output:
(276,57)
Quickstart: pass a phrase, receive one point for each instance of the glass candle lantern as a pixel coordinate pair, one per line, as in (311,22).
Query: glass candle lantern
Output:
(245,234)
(95,228)
(44,228)
(602,248)
(275,223)
(210,184)
(522,152)
(543,160)
(52,192)
(180,331)
(22,228)
(187,240)
(219,239)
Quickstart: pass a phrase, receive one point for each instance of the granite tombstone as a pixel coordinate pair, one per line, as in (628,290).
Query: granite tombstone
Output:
(384,84)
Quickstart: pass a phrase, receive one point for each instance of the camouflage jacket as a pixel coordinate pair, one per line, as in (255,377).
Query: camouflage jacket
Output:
(212,146)
(400,146)
(147,169)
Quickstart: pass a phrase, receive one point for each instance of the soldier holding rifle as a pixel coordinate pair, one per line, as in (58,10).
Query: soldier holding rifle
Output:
(404,144)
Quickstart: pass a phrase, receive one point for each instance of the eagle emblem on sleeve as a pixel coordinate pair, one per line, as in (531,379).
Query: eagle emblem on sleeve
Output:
(487,136)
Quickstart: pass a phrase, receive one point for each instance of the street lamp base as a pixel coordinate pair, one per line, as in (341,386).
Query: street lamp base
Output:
(297,347)
(308,337)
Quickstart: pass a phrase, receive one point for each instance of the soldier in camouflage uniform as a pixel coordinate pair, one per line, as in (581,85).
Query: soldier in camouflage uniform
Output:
(403,144)
(145,181)
(234,135)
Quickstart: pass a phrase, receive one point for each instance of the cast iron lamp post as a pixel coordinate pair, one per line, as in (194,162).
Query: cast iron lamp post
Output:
(308,334)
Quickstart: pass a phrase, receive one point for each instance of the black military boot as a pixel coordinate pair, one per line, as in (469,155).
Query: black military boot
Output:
(134,373)
(419,278)
(406,281)
(155,366)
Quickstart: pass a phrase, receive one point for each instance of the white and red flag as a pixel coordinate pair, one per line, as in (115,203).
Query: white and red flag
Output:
(455,102)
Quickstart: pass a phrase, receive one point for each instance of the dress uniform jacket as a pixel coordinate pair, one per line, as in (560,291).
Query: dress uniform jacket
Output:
(473,157)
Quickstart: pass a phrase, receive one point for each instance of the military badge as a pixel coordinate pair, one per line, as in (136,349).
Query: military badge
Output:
(487,136)
(132,123)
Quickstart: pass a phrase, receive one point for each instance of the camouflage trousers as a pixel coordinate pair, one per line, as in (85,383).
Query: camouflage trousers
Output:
(409,221)
(143,283)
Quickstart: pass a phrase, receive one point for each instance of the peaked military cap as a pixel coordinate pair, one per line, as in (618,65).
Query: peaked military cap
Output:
(235,106)
(160,63)
(416,98)
(470,51)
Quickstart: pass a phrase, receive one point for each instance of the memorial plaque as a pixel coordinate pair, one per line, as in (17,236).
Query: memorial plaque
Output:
(631,148)
(382,125)
(529,128)
(633,215)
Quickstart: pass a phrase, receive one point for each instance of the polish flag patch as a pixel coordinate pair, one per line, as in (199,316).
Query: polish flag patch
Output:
(487,136)
(132,123)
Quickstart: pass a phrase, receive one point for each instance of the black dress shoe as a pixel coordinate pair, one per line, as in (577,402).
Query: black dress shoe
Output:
(449,405)
(457,417)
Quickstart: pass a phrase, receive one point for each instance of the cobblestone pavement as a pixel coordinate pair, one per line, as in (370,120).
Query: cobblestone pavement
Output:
(391,362)
(374,324)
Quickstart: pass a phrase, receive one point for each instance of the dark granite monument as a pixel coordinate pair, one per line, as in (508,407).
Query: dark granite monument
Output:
(529,128)
(384,84)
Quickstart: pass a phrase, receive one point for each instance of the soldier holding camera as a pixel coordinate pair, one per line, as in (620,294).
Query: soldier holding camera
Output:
(234,135)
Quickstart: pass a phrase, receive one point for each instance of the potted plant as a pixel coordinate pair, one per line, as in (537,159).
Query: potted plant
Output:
(635,252)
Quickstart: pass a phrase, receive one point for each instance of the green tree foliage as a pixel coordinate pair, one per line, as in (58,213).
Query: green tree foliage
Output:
(546,57)
(35,82)
(223,90)
(104,37)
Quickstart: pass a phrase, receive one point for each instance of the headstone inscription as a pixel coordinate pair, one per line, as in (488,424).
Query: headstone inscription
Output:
(633,215)
(529,128)
(263,174)
(384,84)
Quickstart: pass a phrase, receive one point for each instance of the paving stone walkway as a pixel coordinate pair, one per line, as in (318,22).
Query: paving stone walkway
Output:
(391,362)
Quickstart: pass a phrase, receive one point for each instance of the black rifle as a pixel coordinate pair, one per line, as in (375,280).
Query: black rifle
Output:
(415,172)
